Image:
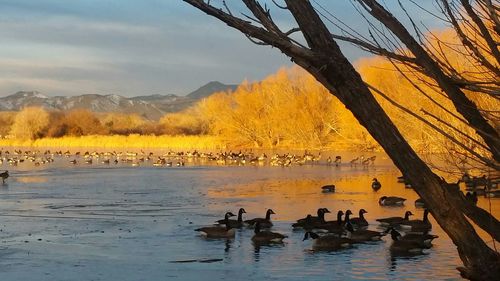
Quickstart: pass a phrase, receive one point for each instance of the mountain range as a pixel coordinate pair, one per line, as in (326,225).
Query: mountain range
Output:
(151,107)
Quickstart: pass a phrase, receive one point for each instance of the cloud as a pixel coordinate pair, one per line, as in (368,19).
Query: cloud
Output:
(130,47)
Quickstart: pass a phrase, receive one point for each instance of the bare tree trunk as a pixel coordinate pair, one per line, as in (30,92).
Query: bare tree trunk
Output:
(324,60)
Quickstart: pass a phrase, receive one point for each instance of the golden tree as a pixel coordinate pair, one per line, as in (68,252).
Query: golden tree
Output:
(30,123)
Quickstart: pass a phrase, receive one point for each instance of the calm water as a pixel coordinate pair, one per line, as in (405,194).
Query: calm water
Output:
(134,223)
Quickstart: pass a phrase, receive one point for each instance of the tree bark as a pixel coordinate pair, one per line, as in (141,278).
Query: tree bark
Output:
(325,61)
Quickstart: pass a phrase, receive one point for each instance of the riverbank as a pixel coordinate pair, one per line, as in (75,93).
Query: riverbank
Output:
(179,142)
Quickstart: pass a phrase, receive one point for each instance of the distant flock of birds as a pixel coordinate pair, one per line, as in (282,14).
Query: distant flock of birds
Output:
(179,158)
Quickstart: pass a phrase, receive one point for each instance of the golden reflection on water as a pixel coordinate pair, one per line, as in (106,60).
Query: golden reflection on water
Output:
(295,198)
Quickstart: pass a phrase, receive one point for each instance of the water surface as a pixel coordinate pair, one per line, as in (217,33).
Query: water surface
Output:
(96,222)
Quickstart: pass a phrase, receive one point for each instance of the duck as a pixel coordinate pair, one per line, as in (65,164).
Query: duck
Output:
(328,188)
(218,231)
(376,185)
(264,222)
(327,242)
(311,220)
(266,236)
(391,201)
(360,221)
(392,221)
(234,223)
(363,235)
(423,225)
(4,176)
(402,246)
(420,203)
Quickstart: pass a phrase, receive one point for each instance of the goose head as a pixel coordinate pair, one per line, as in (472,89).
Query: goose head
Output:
(269,213)
(310,234)
(408,214)
(228,215)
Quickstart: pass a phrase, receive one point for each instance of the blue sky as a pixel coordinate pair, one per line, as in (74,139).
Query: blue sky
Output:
(134,47)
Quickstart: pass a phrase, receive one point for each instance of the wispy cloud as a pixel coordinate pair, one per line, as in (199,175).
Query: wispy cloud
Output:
(127,47)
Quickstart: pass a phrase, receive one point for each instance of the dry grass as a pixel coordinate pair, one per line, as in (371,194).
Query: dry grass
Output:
(131,141)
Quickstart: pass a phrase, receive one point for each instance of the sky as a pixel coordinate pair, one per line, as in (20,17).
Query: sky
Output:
(135,47)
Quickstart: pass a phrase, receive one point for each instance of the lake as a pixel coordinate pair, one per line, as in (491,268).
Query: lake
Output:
(117,222)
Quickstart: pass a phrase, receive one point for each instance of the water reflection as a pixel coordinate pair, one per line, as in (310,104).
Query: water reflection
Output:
(100,205)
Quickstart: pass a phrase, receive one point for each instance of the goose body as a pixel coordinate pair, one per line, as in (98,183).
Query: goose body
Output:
(266,236)
(391,221)
(333,226)
(218,231)
(310,221)
(420,203)
(423,225)
(360,221)
(264,222)
(376,185)
(328,188)
(328,242)
(4,176)
(391,201)
(363,235)
(492,194)
(425,240)
(234,223)
(402,246)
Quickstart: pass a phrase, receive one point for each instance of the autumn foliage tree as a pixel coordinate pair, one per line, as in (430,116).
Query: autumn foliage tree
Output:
(30,123)
(286,109)
(82,122)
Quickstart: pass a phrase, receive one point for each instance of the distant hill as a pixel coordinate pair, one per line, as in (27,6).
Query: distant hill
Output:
(151,106)
(210,88)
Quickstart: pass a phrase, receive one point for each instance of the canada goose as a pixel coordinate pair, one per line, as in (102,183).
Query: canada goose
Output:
(264,222)
(492,194)
(218,231)
(360,221)
(73,161)
(328,188)
(234,223)
(391,201)
(420,203)
(423,225)
(327,242)
(335,227)
(338,160)
(392,221)
(425,239)
(376,185)
(471,197)
(266,236)
(310,220)
(363,235)
(401,246)
(4,176)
